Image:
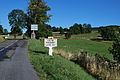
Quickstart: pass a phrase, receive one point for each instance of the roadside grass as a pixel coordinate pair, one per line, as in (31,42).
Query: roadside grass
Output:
(1,38)
(93,34)
(17,37)
(92,47)
(54,67)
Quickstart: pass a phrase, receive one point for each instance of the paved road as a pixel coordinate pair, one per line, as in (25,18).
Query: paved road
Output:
(7,43)
(18,67)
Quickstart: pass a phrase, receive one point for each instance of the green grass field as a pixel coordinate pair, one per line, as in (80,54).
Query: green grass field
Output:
(93,34)
(54,67)
(92,47)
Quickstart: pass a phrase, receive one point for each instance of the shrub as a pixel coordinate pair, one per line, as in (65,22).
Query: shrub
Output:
(115,50)
(67,35)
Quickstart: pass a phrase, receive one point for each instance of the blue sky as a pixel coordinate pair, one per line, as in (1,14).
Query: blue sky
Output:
(67,12)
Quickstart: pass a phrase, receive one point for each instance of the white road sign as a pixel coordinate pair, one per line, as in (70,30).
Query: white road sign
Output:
(50,42)
(34,27)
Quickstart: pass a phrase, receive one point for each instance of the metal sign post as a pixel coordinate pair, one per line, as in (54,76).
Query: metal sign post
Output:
(50,43)
(34,27)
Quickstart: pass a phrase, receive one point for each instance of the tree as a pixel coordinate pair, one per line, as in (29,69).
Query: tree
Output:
(5,31)
(61,30)
(115,50)
(55,29)
(17,20)
(45,31)
(37,14)
(1,29)
(66,29)
(75,29)
(108,33)
(16,31)
(87,28)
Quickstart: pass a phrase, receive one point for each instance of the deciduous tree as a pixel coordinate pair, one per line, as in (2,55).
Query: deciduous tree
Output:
(17,20)
(37,14)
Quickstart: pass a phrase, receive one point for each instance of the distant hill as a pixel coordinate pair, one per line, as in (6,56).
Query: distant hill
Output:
(95,28)
(116,26)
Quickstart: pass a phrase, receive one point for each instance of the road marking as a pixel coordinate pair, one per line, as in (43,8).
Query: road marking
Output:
(8,46)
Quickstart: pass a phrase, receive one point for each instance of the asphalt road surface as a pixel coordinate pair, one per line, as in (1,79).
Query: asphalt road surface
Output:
(18,67)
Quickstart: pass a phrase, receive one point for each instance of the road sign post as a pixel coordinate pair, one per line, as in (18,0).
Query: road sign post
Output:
(34,27)
(50,43)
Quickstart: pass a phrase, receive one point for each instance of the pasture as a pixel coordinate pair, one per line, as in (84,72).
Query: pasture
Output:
(92,47)
(93,34)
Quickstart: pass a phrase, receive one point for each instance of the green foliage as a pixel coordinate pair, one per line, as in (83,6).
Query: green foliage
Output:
(108,33)
(17,20)
(61,30)
(78,28)
(5,31)
(16,31)
(37,11)
(37,14)
(55,29)
(44,31)
(67,35)
(1,29)
(87,28)
(115,50)
(54,67)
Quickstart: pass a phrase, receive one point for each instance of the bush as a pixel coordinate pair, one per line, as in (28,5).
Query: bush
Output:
(115,50)
(67,35)
(108,33)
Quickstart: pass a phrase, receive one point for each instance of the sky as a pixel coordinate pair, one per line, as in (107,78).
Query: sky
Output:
(68,12)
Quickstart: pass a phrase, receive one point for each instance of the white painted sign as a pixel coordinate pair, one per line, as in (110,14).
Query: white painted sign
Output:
(50,43)
(34,27)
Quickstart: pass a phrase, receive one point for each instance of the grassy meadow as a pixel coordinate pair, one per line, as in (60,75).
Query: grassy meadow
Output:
(93,34)
(92,47)
(54,67)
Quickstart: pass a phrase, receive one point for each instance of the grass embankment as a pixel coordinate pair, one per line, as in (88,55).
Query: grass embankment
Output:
(55,67)
(92,47)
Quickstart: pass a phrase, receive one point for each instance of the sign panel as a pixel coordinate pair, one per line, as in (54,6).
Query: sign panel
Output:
(34,27)
(50,42)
